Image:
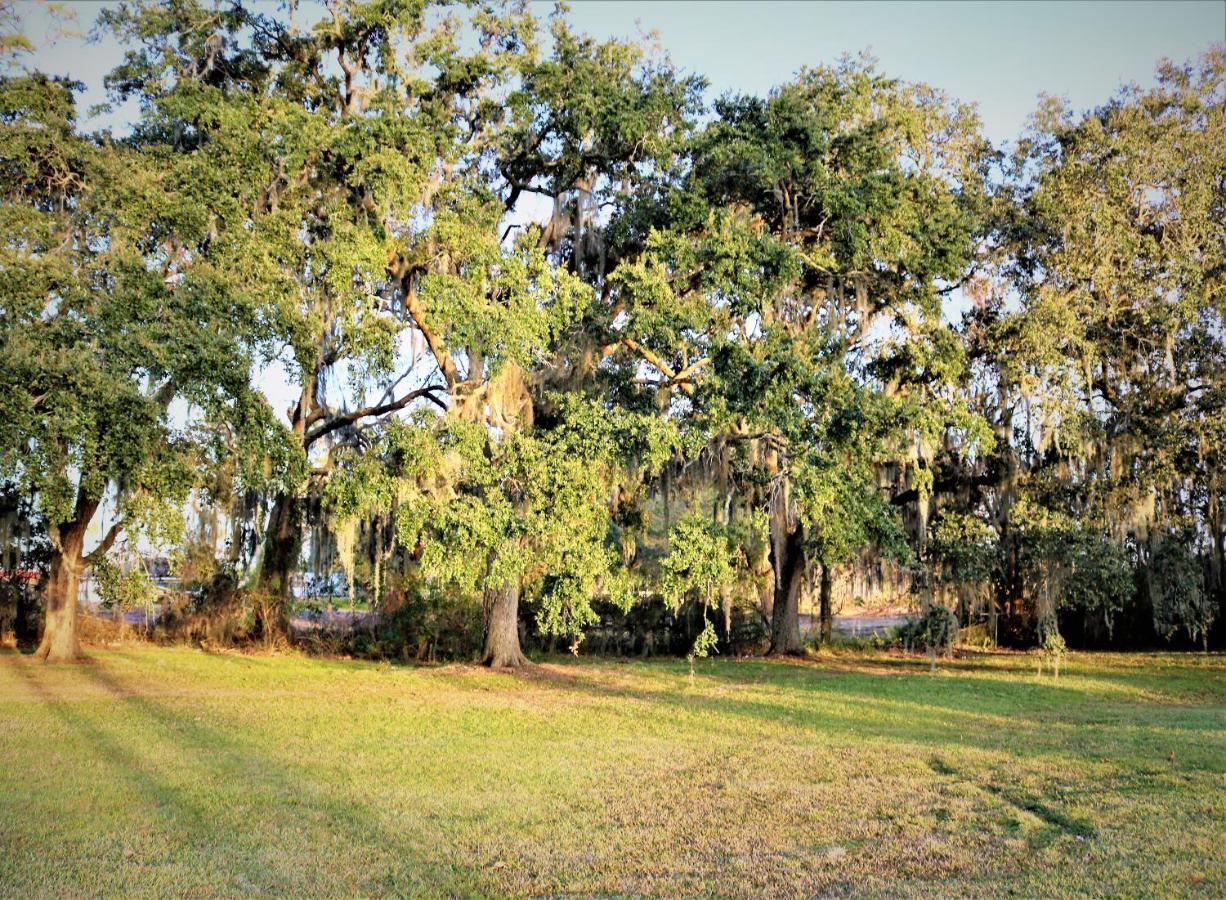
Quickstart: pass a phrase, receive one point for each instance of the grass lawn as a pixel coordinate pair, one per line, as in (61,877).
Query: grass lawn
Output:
(152,771)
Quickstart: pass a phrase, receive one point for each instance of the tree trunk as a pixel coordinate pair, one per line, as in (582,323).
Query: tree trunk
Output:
(61,637)
(788,561)
(281,549)
(826,614)
(1219,574)
(502,630)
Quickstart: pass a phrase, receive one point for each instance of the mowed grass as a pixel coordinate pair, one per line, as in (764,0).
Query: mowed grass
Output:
(158,771)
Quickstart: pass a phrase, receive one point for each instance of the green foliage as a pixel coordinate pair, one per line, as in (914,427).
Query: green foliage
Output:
(809,219)
(1177,590)
(1051,642)
(1072,563)
(964,548)
(527,508)
(847,512)
(706,642)
(749,301)
(936,630)
(122,590)
(122,348)
(699,563)
(1108,372)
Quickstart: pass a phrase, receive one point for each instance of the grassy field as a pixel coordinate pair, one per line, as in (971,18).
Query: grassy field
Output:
(152,771)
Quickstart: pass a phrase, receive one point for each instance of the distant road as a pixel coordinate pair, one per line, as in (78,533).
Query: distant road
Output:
(856,626)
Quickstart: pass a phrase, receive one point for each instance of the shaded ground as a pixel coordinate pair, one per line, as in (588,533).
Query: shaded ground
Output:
(154,771)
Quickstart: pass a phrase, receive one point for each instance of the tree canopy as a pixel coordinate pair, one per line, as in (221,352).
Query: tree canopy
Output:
(529,292)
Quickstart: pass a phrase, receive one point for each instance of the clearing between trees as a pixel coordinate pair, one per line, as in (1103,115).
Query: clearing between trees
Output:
(157,770)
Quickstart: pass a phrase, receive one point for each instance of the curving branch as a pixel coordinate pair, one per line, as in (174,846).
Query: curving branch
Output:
(349,418)
(108,541)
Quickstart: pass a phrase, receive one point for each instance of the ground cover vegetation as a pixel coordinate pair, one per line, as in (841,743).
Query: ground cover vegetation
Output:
(156,770)
(580,358)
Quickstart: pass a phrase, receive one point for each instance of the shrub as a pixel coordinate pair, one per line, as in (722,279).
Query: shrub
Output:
(1178,593)
(214,611)
(1051,643)
(935,631)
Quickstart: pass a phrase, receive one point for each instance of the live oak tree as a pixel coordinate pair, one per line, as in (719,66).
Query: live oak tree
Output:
(532,450)
(339,139)
(1107,380)
(791,293)
(118,337)
(377,154)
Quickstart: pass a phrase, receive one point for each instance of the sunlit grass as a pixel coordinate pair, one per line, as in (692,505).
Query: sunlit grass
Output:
(152,771)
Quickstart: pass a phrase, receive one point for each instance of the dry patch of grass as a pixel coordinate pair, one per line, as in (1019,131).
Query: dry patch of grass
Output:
(152,771)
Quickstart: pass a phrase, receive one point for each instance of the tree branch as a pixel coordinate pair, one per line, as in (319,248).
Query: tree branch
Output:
(108,541)
(378,410)
(445,363)
(681,379)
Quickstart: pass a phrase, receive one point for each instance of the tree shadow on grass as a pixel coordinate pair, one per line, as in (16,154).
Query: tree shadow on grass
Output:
(215,756)
(1024,719)
(1009,687)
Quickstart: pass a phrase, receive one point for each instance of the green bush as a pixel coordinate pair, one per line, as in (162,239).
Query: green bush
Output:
(1177,591)
(935,631)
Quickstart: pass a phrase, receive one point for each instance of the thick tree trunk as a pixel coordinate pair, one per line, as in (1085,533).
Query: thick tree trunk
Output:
(502,631)
(281,549)
(61,640)
(827,615)
(788,561)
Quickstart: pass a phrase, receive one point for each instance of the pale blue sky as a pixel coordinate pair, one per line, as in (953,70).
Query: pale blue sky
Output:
(1000,55)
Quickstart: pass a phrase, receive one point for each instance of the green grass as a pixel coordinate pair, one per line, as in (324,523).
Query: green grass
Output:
(154,771)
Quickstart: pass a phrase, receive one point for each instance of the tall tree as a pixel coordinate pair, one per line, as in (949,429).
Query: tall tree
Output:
(340,140)
(793,290)
(117,336)
(1107,377)
(381,152)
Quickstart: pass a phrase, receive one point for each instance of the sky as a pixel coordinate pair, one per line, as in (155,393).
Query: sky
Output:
(999,55)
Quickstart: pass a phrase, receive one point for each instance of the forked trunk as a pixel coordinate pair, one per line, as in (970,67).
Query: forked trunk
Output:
(827,615)
(502,631)
(789,566)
